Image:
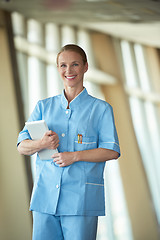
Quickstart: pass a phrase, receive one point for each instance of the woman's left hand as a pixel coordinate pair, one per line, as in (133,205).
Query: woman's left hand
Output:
(64,159)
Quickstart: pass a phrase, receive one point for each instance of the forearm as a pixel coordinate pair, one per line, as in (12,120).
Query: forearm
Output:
(29,147)
(96,155)
(64,159)
(50,140)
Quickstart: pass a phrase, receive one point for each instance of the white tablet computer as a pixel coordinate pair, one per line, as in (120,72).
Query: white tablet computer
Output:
(37,129)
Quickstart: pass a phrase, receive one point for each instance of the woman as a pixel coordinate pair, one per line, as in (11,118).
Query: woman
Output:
(68,193)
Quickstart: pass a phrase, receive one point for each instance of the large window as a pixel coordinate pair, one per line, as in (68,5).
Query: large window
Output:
(144,104)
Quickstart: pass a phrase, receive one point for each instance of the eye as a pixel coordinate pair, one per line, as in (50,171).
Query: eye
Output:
(75,64)
(63,65)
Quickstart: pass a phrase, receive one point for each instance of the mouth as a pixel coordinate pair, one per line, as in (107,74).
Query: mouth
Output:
(70,77)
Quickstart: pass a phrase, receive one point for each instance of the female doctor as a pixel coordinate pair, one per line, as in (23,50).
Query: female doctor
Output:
(68,192)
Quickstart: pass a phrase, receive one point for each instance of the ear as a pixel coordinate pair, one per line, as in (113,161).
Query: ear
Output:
(86,67)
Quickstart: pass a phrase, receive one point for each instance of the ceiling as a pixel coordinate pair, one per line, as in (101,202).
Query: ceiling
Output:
(137,20)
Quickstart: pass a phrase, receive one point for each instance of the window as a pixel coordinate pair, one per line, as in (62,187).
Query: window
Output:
(143,104)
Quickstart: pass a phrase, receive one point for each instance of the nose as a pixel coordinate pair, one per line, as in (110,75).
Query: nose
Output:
(69,69)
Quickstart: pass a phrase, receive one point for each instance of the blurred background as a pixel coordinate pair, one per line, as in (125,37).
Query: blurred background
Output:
(122,42)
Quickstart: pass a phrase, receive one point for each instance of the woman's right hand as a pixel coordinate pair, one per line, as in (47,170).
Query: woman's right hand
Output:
(50,140)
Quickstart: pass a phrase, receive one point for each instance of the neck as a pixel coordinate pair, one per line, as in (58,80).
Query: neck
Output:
(71,93)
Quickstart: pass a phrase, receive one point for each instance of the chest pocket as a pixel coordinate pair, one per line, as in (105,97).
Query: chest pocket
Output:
(86,143)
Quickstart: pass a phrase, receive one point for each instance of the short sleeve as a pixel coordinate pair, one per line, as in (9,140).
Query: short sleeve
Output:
(35,116)
(108,137)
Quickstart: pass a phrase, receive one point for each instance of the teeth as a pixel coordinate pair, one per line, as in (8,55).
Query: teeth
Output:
(70,77)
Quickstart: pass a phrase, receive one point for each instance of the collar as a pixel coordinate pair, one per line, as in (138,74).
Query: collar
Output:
(79,99)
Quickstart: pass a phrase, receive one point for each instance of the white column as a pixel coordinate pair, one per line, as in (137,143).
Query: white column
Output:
(36,70)
(52,37)
(54,83)
(84,41)
(18,23)
(68,35)
(36,73)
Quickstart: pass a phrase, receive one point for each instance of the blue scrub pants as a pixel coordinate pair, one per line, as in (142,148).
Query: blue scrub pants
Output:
(50,227)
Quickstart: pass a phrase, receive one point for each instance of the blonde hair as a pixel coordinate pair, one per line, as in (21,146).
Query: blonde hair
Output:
(73,48)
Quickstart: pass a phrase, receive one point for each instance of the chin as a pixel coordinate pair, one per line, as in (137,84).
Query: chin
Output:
(71,84)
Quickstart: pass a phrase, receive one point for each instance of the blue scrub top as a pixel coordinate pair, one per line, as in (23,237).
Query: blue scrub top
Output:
(77,189)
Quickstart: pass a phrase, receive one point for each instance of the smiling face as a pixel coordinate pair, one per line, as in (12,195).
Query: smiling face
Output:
(71,68)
